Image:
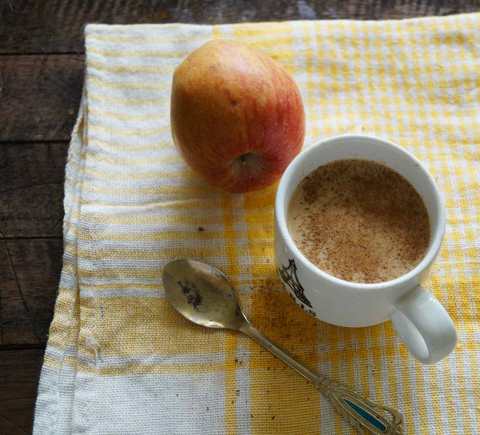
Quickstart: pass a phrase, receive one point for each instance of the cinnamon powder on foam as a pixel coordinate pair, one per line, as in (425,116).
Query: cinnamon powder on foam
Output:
(359,221)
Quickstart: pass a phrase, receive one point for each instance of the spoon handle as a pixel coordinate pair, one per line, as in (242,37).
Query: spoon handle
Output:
(361,413)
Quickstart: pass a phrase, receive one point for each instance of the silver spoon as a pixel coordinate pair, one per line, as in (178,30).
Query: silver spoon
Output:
(203,295)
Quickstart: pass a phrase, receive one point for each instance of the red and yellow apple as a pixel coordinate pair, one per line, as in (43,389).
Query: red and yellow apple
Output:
(236,115)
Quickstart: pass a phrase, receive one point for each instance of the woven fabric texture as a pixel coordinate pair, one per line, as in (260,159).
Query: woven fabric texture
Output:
(120,360)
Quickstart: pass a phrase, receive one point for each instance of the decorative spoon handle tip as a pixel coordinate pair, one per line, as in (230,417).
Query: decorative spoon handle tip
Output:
(363,414)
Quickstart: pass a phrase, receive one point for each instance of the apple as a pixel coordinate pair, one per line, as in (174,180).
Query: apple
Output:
(236,115)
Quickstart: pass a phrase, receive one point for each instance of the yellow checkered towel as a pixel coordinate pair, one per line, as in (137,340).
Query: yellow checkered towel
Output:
(120,360)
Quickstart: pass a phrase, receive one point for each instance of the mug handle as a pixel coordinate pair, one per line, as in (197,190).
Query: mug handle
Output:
(424,326)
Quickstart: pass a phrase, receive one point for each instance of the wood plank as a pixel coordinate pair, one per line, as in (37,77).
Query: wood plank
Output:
(56,26)
(19,374)
(31,189)
(29,274)
(39,97)
(15,320)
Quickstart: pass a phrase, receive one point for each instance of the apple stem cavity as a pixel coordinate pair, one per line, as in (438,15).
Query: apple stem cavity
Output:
(247,166)
(244,158)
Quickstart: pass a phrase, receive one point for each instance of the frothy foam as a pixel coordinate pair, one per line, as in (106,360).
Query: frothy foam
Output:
(359,221)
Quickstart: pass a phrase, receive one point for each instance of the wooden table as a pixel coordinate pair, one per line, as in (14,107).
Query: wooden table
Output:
(41,74)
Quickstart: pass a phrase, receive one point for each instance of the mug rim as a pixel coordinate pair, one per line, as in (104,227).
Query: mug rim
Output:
(281,211)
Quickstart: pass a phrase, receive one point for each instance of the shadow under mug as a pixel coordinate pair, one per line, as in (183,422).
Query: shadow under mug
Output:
(418,318)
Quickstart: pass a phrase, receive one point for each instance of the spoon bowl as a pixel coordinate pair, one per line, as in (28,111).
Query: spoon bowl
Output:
(202,294)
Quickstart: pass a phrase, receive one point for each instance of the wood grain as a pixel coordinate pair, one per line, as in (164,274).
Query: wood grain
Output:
(29,274)
(56,26)
(31,207)
(15,320)
(31,189)
(19,373)
(39,97)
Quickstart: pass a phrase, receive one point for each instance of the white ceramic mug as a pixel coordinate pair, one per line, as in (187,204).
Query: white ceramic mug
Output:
(419,319)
